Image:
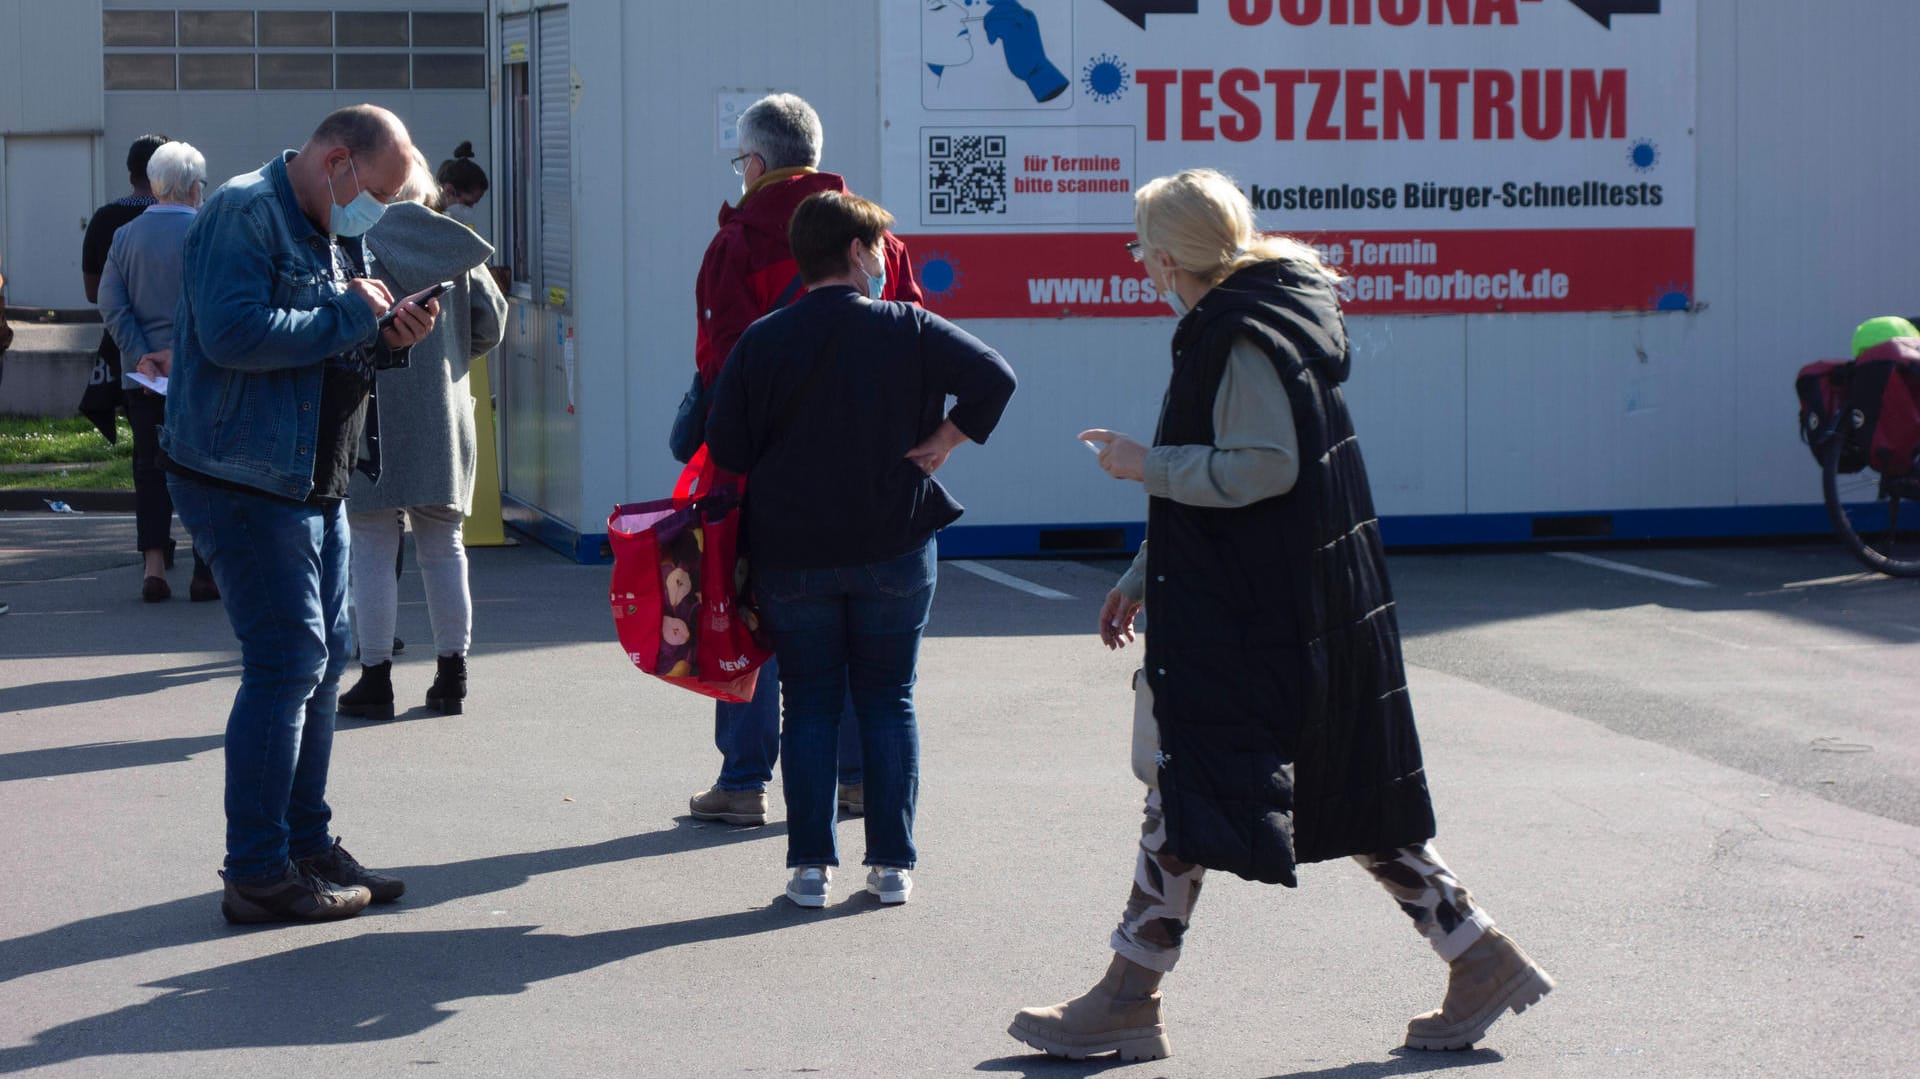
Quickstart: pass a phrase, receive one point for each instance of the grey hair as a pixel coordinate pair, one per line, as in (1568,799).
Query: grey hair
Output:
(783,130)
(173,170)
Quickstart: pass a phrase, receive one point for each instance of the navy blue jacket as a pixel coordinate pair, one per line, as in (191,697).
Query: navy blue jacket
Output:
(829,483)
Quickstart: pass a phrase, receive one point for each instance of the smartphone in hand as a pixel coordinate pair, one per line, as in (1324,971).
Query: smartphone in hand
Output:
(386,320)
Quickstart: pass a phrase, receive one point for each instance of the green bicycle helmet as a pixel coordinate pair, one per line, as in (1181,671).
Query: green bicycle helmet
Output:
(1880,330)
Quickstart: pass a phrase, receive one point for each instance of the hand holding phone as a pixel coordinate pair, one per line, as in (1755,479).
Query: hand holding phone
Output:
(421,298)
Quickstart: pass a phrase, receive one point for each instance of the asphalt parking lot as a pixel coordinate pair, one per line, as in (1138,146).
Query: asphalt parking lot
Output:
(1686,779)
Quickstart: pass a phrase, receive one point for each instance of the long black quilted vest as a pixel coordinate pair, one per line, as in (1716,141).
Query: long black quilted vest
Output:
(1272,647)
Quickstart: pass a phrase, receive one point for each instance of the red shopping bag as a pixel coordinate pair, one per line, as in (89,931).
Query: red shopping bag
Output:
(678,587)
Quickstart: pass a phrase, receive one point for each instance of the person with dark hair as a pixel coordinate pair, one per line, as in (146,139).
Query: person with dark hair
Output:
(274,345)
(103,395)
(834,407)
(463,183)
(748,270)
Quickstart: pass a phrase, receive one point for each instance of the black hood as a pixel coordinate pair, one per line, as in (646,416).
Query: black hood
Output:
(1293,298)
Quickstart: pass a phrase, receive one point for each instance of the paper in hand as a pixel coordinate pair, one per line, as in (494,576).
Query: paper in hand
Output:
(157,383)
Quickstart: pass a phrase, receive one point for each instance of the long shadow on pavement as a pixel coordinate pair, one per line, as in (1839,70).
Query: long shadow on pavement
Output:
(103,756)
(111,687)
(1404,1062)
(372,987)
(193,919)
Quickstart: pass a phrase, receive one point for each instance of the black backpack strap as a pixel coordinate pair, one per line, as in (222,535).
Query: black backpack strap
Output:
(787,295)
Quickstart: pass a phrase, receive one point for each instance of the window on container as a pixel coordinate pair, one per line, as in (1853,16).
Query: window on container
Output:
(516,141)
(214,29)
(139,29)
(296,30)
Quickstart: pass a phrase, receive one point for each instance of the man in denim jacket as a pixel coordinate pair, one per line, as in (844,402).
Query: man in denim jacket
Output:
(276,339)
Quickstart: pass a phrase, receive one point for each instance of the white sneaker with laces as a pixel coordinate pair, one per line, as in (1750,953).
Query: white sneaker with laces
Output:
(890,884)
(808,888)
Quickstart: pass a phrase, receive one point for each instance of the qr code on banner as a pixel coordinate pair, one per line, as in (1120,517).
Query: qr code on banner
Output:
(966,174)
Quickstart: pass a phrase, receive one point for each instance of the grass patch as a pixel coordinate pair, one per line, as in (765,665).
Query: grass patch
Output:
(34,440)
(97,466)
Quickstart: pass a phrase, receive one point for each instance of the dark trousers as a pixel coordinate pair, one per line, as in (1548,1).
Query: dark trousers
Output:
(152,506)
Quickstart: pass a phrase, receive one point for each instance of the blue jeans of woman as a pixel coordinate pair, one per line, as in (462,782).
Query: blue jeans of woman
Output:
(851,628)
(282,571)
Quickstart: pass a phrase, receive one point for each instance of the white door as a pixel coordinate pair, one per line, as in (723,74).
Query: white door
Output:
(49,194)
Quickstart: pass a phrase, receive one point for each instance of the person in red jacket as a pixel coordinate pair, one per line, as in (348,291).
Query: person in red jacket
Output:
(747,272)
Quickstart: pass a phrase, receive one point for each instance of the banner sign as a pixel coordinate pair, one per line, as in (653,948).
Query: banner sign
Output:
(1446,156)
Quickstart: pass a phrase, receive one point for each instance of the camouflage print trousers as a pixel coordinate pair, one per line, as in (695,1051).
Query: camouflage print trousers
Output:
(1165,890)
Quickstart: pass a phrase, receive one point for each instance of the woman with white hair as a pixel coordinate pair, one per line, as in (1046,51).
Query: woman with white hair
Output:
(138,292)
(1272,724)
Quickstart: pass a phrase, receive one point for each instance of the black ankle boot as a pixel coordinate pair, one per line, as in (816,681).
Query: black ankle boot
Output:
(372,696)
(449,689)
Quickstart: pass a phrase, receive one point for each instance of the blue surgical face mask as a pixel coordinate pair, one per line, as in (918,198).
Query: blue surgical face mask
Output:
(359,214)
(876,284)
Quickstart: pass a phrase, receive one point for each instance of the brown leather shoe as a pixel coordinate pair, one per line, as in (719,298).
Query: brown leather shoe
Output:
(1492,975)
(201,589)
(733,807)
(1119,1015)
(298,896)
(155,590)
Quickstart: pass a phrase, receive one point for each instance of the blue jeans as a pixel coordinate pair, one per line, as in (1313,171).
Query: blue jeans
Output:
(748,737)
(282,571)
(850,629)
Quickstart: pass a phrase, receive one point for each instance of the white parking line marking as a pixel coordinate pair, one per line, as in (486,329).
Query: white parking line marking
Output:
(1007,579)
(1845,578)
(1622,567)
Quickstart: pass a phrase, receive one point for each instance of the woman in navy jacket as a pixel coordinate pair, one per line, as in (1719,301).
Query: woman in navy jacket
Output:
(833,407)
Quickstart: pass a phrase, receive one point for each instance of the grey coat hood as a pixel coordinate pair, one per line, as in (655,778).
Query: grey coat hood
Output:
(418,247)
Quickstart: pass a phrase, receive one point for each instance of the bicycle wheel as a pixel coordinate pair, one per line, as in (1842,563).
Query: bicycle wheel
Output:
(1877,519)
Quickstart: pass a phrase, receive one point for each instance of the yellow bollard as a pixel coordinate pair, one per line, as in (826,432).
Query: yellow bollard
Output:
(484,526)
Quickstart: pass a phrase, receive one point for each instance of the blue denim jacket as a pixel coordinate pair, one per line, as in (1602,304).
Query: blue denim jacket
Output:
(261,309)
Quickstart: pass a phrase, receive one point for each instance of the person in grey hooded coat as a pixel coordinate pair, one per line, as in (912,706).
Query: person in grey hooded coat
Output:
(417,463)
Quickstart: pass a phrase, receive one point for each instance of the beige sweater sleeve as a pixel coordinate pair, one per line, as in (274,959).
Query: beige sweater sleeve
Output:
(1255,453)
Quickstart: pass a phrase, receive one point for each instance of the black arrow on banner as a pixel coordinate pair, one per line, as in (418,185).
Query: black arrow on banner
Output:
(1603,11)
(1138,10)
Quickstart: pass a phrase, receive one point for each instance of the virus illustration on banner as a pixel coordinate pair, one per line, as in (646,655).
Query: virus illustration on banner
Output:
(1105,78)
(939,276)
(1673,297)
(1643,155)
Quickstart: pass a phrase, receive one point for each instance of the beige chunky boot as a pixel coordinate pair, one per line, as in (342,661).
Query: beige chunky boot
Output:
(1121,1014)
(1492,975)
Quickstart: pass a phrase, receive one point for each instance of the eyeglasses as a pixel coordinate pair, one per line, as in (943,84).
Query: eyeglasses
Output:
(740,163)
(1137,250)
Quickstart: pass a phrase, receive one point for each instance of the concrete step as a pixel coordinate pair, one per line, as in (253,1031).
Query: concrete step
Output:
(47,368)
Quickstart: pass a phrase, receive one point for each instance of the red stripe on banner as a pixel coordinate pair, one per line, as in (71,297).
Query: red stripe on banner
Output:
(1090,275)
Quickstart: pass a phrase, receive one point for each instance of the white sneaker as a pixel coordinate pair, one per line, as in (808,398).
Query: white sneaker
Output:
(891,885)
(808,888)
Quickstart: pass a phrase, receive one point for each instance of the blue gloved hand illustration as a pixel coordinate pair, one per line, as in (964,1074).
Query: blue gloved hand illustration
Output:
(1010,21)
